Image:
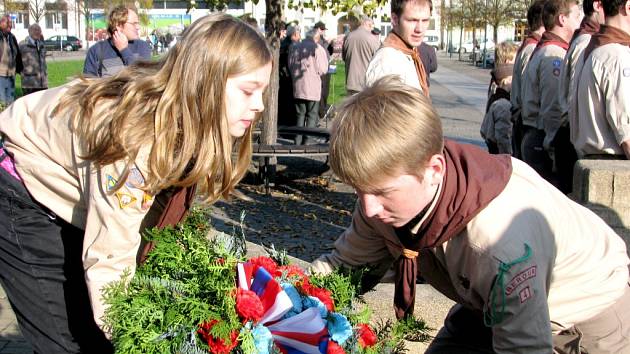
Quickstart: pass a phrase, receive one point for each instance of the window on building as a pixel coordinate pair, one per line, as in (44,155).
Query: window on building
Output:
(56,16)
(22,19)
(385,29)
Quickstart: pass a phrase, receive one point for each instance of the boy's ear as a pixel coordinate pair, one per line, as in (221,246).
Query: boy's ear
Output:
(436,169)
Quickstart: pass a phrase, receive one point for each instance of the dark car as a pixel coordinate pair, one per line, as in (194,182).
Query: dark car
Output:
(67,43)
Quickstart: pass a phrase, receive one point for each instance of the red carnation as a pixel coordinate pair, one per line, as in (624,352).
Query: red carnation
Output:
(334,348)
(248,305)
(267,263)
(323,295)
(216,345)
(366,335)
(293,271)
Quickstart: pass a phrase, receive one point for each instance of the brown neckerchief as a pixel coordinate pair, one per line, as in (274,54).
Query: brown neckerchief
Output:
(532,38)
(175,210)
(549,38)
(473,179)
(606,35)
(393,40)
(588,26)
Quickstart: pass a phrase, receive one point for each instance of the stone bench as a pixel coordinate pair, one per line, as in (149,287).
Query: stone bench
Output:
(603,186)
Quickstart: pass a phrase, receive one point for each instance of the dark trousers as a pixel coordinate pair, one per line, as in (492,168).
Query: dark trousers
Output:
(323,102)
(564,159)
(534,154)
(307,116)
(42,273)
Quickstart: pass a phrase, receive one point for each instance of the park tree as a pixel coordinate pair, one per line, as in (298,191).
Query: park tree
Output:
(498,13)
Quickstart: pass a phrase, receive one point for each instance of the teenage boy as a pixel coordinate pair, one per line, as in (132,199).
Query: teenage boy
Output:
(539,91)
(603,105)
(399,54)
(530,270)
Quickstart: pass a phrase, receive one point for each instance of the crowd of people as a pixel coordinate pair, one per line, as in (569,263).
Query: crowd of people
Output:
(568,89)
(87,167)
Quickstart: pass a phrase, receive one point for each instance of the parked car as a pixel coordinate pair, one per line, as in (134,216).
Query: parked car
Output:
(467,46)
(62,42)
(433,41)
(489,57)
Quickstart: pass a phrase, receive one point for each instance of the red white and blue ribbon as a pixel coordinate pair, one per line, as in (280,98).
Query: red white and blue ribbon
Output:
(304,333)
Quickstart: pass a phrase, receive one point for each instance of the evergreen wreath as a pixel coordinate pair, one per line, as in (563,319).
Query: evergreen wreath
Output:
(197,295)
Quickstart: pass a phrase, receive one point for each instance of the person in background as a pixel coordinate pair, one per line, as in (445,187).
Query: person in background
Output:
(541,108)
(399,53)
(429,59)
(35,73)
(10,61)
(320,27)
(536,29)
(123,47)
(87,167)
(308,61)
(496,127)
(603,105)
(358,49)
(286,106)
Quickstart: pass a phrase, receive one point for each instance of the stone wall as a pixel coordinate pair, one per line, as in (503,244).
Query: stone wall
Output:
(604,187)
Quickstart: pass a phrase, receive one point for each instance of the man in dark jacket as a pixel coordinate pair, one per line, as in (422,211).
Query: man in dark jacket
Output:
(10,61)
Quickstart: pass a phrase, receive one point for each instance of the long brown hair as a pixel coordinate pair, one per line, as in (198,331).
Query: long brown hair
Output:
(173,110)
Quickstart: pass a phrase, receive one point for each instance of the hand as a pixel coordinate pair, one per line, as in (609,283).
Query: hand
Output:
(120,40)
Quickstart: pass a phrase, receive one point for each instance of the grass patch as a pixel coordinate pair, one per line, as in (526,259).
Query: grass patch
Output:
(59,72)
(337,91)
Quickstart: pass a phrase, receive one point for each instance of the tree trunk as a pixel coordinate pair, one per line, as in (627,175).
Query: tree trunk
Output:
(270,116)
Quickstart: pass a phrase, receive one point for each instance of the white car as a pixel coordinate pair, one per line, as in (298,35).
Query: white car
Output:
(467,46)
(433,41)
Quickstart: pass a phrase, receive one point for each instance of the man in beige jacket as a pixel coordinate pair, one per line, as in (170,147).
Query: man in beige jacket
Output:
(602,128)
(541,109)
(531,271)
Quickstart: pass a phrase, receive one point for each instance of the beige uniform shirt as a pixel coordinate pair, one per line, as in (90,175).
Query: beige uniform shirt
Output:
(577,266)
(520,63)
(603,102)
(541,109)
(47,156)
(569,75)
(390,61)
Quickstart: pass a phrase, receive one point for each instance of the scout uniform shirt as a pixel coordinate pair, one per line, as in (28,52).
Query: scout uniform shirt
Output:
(388,61)
(559,263)
(520,63)
(603,102)
(47,157)
(571,70)
(541,109)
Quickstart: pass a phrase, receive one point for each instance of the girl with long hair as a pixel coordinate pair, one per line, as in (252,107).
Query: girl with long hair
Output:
(87,166)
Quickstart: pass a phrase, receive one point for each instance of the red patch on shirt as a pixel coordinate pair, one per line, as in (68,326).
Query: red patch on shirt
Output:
(524,294)
(519,279)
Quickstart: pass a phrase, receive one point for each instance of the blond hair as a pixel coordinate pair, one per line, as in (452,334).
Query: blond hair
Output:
(505,52)
(118,17)
(384,130)
(175,108)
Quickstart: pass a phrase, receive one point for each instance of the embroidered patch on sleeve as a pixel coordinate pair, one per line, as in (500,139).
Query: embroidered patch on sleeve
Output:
(135,179)
(557,63)
(556,72)
(147,201)
(125,199)
(519,279)
(111,182)
(626,72)
(525,294)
